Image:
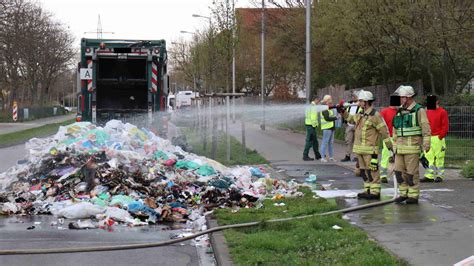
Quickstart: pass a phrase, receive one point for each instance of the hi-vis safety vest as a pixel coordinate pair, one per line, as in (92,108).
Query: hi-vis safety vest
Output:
(311,116)
(327,124)
(407,124)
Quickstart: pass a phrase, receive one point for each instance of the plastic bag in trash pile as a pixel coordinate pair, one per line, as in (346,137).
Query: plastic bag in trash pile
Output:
(123,174)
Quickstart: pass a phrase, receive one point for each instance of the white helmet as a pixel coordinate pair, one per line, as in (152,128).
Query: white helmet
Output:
(405,91)
(365,96)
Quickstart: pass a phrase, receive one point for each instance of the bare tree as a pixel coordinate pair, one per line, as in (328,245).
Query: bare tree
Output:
(34,51)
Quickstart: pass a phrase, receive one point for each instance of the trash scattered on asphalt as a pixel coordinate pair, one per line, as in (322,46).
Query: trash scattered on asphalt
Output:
(311,179)
(98,177)
(336,227)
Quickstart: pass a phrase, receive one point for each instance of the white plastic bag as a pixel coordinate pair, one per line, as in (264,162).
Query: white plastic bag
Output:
(80,211)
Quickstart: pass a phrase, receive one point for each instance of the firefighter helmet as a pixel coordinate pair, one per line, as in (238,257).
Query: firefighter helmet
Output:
(365,96)
(405,91)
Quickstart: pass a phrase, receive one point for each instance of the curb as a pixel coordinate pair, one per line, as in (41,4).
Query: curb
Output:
(219,245)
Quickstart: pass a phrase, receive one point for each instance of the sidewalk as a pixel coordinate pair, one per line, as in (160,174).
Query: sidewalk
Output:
(438,231)
(14,127)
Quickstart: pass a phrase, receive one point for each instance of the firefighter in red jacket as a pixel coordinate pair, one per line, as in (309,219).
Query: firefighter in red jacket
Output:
(388,113)
(439,124)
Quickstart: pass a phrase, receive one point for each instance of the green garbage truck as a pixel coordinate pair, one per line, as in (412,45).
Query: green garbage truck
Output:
(122,79)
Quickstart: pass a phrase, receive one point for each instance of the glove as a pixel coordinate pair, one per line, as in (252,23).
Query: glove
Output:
(340,109)
(391,159)
(374,163)
(426,147)
(424,161)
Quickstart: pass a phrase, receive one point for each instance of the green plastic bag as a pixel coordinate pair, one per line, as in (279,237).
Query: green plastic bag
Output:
(160,155)
(206,170)
(186,165)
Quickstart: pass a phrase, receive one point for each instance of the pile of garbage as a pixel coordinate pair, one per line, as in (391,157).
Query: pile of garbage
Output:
(122,174)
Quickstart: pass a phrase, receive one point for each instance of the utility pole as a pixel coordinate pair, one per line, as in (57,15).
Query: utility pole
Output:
(99,30)
(262,75)
(308,51)
(233,61)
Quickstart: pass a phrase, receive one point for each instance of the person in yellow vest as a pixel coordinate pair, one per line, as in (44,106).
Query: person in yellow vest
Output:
(311,124)
(411,135)
(370,128)
(388,113)
(439,124)
(327,120)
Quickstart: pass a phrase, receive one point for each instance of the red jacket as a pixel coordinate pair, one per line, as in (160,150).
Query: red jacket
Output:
(439,122)
(388,114)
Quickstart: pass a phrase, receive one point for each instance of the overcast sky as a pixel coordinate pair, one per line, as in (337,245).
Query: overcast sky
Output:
(132,19)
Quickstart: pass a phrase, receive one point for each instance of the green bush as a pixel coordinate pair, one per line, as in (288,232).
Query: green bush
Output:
(468,170)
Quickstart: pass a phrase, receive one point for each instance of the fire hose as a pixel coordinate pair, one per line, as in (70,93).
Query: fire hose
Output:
(208,231)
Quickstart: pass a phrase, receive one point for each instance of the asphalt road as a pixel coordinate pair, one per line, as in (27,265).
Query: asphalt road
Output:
(14,235)
(12,127)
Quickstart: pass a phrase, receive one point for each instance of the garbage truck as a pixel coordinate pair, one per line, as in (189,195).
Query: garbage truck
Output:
(122,79)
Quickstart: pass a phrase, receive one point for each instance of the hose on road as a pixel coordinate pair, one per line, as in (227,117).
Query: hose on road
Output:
(212,230)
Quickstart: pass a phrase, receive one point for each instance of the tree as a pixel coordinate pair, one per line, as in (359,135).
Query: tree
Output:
(34,51)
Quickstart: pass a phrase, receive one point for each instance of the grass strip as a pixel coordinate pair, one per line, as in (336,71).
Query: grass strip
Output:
(22,136)
(237,156)
(310,241)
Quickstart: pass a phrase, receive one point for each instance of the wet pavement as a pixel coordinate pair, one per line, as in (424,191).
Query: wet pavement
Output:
(15,235)
(421,234)
(437,231)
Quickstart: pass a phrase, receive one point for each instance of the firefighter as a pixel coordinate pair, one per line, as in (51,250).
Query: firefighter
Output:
(369,130)
(388,113)
(352,109)
(439,124)
(311,124)
(411,134)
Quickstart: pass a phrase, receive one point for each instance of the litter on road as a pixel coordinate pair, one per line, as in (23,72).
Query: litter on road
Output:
(101,176)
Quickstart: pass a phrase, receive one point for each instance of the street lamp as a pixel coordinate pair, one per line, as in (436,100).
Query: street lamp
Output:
(200,16)
(262,75)
(187,32)
(210,48)
(308,51)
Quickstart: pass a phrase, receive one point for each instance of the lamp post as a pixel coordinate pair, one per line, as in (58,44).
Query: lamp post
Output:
(210,47)
(308,51)
(233,61)
(262,75)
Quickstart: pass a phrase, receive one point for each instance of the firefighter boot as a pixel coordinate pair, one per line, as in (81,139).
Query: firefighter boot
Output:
(346,159)
(373,197)
(411,201)
(366,193)
(400,199)
(427,180)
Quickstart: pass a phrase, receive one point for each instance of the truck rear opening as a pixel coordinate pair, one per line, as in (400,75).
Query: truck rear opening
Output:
(121,88)
(122,79)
